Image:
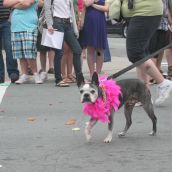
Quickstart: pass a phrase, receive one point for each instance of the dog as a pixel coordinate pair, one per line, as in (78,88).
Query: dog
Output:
(132,91)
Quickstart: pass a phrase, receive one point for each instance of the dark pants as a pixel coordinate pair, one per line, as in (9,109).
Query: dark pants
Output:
(5,38)
(73,43)
(139,33)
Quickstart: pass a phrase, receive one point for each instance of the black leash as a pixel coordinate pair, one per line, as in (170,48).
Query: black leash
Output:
(139,62)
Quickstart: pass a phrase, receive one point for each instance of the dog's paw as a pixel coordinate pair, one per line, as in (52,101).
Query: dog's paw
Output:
(108,139)
(152,133)
(121,134)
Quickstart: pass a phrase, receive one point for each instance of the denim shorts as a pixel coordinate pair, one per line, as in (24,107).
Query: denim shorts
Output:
(24,45)
(139,33)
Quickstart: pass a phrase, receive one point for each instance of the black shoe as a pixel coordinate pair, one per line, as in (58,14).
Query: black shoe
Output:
(14,77)
(2,80)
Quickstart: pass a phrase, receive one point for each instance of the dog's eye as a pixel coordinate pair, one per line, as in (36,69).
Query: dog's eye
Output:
(92,91)
(81,91)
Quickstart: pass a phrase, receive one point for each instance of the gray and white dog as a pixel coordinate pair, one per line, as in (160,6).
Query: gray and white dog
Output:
(133,91)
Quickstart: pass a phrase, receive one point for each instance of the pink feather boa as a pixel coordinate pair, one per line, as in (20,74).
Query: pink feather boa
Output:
(100,110)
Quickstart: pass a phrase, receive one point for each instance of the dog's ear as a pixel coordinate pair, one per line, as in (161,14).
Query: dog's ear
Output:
(95,79)
(80,79)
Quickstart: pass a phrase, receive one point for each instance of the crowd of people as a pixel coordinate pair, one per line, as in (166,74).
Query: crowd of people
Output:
(83,23)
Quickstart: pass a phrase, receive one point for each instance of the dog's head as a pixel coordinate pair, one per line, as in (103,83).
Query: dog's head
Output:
(89,91)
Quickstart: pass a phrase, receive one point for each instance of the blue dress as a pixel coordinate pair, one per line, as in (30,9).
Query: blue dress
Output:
(94,33)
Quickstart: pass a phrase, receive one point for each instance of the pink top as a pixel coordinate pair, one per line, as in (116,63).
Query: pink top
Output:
(80,5)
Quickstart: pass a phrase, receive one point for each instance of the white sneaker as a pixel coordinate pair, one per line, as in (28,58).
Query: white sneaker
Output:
(43,76)
(163,92)
(23,79)
(37,78)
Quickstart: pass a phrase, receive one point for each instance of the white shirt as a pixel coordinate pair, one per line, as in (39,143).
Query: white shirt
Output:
(61,8)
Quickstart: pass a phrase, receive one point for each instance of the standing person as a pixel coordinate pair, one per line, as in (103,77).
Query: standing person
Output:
(94,35)
(63,19)
(24,36)
(5,38)
(144,19)
(44,51)
(161,37)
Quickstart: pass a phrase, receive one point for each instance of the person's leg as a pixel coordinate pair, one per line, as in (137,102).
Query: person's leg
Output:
(43,60)
(12,67)
(90,60)
(159,60)
(99,60)
(140,30)
(73,43)
(51,54)
(24,78)
(2,72)
(169,61)
(64,61)
(24,66)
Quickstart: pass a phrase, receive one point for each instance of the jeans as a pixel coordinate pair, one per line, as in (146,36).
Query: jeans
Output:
(73,43)
(5,38)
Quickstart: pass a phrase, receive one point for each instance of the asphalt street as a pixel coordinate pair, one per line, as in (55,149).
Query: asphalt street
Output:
(34,137)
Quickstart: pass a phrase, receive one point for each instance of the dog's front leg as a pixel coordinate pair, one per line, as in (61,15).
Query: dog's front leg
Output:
(108,139)
(88,128)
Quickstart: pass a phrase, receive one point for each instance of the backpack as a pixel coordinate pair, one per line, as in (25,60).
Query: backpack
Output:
(42,20)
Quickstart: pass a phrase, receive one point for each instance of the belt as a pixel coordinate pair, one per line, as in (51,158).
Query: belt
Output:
(62,20)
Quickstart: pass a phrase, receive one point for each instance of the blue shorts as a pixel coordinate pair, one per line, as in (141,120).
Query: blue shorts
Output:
(24,44)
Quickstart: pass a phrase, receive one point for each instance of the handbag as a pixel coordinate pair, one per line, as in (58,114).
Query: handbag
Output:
(115,9)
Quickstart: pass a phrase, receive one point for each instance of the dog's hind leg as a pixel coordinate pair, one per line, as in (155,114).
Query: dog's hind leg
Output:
(108,139)
(88,128)
(148,107)
(128,108)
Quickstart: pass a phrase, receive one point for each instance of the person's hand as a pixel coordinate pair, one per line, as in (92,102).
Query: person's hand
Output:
(88,2)
(170,27)
(51,29)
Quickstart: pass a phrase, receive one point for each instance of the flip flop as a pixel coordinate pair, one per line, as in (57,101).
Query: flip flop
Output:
(62,84)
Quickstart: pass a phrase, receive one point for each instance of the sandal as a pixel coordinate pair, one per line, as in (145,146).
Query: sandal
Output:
(71,78)
(68,80)
(62,84)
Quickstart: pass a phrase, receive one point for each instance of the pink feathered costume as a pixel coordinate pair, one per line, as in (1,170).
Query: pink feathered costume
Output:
(101,109)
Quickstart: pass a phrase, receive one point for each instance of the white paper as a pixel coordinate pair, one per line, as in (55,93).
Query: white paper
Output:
(53,40)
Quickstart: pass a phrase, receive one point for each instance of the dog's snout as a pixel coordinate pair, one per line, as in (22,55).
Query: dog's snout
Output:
(86,95)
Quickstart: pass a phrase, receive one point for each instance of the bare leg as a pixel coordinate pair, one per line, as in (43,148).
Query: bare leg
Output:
(88,128)
(51,54)
(43,58)
(149,68)
(90,60)
(99,60)
(24,66)
(32,63)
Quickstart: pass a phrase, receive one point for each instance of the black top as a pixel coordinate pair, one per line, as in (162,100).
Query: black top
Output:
(4,12)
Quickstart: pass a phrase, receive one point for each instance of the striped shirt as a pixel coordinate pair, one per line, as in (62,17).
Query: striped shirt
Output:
(4,12)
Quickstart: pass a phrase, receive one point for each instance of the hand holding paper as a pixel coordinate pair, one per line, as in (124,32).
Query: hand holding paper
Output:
(53,40)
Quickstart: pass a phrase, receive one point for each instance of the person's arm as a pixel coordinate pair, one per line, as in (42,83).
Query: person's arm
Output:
(41,3)
(88,3)
(104,8)
(48,15)
(18,3)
